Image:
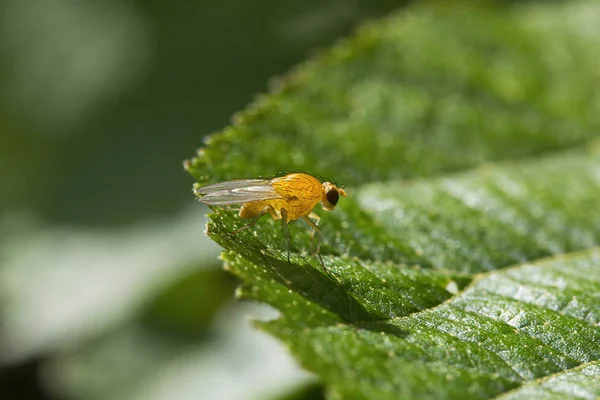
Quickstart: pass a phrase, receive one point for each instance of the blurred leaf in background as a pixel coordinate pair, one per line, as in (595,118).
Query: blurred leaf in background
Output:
(104,266)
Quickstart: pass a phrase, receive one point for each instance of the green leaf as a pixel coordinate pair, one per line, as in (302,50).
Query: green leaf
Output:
(464,261)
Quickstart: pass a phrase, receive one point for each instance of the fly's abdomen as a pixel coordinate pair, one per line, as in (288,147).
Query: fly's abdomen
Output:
(253,209)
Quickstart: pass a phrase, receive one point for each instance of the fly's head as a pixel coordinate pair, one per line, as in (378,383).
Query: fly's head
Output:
(331,195)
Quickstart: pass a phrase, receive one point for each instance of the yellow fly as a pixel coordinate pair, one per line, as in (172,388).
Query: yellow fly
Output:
(286,198)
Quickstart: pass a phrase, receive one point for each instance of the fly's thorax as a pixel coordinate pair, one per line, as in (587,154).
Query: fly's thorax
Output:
(296,208)
(298,186)
(331,195)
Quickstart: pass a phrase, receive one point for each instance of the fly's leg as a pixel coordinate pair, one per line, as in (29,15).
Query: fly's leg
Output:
(286,230)
(316,230)
(313,221)
(250,225)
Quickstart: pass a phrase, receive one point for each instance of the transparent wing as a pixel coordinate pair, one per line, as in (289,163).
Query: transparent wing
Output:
(234,184)
(237,192)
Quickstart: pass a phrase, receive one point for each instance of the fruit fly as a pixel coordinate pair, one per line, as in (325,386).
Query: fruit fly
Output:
(286,198)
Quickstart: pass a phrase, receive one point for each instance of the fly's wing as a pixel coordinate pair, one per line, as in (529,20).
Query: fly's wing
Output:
(228,185)
(237,192)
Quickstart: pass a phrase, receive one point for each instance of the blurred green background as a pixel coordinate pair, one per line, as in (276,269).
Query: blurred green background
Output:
(108,287)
